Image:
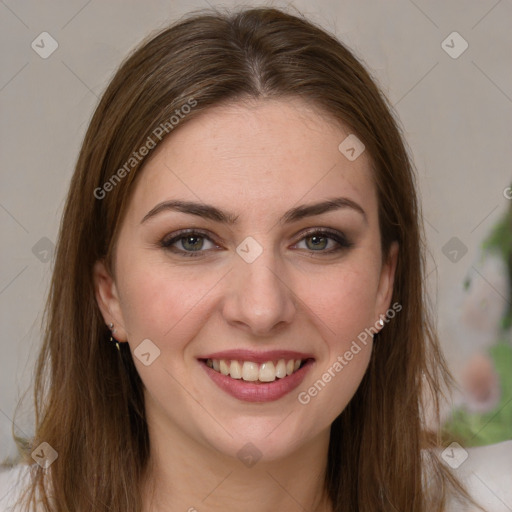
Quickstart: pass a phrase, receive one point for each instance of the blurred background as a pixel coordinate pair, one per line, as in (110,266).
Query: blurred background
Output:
(445,67)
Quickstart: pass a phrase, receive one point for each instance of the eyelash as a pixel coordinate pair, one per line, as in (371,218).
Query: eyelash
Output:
(165,243)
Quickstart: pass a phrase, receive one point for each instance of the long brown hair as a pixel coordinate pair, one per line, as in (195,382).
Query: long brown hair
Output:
(89,401)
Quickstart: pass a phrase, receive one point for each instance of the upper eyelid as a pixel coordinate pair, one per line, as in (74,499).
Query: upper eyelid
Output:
(175,237)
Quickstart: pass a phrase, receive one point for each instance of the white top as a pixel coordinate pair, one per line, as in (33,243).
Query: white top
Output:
(486,472)
(487,475)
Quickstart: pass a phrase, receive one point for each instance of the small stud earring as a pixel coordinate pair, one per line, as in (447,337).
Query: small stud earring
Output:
(111,327)
(381,323)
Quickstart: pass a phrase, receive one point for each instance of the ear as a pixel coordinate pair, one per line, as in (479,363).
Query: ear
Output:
(108,299)
(387,278)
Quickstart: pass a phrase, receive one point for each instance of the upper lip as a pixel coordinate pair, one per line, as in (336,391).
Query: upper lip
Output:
(257,357)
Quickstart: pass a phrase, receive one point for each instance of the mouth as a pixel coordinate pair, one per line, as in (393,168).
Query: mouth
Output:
(257,377)
(251,371)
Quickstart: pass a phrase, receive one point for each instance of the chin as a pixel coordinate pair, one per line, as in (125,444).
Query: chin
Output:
(264,439)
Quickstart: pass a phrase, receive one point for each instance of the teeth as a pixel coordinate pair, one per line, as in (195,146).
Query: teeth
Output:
(250,371)
(235,370)
(268,372)
(224,368)
(281,369)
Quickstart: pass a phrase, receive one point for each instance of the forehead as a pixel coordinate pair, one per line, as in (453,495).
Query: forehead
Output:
(262,155)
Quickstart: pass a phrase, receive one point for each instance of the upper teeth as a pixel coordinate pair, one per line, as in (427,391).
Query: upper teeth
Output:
(251,371)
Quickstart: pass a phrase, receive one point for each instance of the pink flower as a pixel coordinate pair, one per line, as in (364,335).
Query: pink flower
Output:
(480,385)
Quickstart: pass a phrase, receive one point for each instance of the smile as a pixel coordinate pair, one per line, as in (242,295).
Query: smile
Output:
(251,371)
(257,376)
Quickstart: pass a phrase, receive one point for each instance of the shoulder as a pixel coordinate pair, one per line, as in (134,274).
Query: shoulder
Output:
(12,483)
(486,472)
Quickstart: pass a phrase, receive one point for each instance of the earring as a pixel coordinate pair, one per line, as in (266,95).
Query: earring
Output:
(111,327)
(381,323)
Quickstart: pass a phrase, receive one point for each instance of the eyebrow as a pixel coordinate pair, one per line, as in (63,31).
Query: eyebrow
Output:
(293,215)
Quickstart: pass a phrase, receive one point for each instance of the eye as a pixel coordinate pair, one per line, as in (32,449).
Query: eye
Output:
(318,239)
(192,242)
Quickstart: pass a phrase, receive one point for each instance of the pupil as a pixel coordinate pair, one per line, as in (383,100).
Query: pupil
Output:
(188,238)
(317,240)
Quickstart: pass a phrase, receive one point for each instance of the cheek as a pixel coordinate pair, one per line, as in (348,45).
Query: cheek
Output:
(344,307)
(344,301)
(163,302)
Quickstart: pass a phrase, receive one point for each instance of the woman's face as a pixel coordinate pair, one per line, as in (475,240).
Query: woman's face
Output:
(263,279)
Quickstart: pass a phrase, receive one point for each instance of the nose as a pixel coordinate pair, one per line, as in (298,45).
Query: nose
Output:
(258,297)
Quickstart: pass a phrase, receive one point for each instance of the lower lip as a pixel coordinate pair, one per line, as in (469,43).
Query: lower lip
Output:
(261,392)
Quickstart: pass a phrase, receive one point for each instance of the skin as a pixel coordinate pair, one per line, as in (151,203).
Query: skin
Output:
(256,159)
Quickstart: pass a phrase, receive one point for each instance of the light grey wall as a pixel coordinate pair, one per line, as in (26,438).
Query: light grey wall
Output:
(455,112)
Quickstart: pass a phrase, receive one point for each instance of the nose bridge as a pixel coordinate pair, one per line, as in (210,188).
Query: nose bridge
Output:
(259,296)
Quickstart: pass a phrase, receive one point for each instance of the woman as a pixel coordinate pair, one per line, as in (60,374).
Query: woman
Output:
(243,227)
